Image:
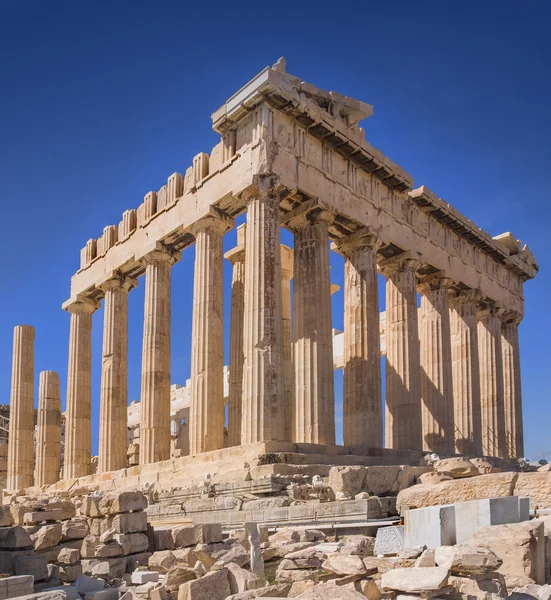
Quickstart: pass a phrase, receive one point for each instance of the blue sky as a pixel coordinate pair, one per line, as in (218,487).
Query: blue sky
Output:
(101,101)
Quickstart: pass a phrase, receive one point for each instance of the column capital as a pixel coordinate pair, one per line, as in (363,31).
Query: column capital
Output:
(307,213)
(119,282)
(489,310)
(468,296)
(161,254)
(363,238)
(433,282)
(398,264)
(511,317)
(215,222)
(263,185)
(81,306)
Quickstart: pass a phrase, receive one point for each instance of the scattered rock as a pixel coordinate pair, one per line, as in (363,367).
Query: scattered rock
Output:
(490,586)
(213,586)
(122,502)
(344,564)
(348,480)
(47,537)
(467,560)
(176,576)
(433,477)
(415,580)
(457,467)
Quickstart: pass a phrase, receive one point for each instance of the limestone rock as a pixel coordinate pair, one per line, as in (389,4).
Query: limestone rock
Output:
(122,502)
(495,485)
(427,559)
(176,576)
(457,467)
(196,534)
(89,545)
(490,586)
(108,569)
(536,486)
(531,592)
(236,554)
(163,539)
(348,480)
(520,546)
(360,545)
(185,557)
(269,591)
(68,556)
(6,517)
(381,564)
(135,561)
(415,580)
(32,565)
(90,506)
(132,543)
(213,586)
(74,529)
(162,561)
(70,573)
(108,550)
(309,558)
(15,538)
(467,560)
(344,564)
(270,502)
(293,575)
(130,522)
(484,467)
(241,580)
(328,591)
(282,550)
(47,537)
(433,477)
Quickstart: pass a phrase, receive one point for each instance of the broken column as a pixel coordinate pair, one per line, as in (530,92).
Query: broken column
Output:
(403,392)
(362,401)
(78,435)
(314,420)
(436,365)
(262,328)
(48,432)
(465,372)
(114,376)
(491,381)
(21,434)
(155,394)
(237,258)
(512,385)
(206,411)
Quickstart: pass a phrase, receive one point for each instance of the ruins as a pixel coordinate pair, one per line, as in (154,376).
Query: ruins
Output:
(294,156)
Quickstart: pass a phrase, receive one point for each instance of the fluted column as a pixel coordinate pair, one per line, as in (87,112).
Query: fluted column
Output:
(237,258)
(21,434)
(114,376)
(403,366)
(206,410)
(362,401)
(465,372)
(78,410)
(512,385)
(491,382)
(263,401)
(314,419)
(48,431)
(155,392)
(288,388)
(436,365)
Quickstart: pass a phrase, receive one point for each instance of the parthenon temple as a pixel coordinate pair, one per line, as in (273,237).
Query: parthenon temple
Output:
(290,156)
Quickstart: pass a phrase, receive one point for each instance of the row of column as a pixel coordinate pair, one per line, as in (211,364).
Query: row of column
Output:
(437,399)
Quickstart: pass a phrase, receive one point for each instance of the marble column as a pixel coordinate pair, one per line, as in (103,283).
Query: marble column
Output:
(48,431)
(512,385)
(78,410)
(263,400)
(403,427)
(288,388)
(206,411)
(114,377)
(436,366)
(465,372)
(362,400)
(21,433)
(155,392)
(491,382)
(237,258)
(314,420)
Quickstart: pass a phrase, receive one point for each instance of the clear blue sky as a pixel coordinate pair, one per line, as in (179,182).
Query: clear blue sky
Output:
(101,101)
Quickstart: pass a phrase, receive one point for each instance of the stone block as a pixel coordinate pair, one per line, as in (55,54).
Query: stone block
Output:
(134,561)
(7,559)
(415,580)
(389,540)
(177,576)
(86,584)
(523,509)
(106,594)
(344,564)
(536,486)
(20,585)
(467,560)
(6,517)
(141,577)
(130,522)
(108,550)
(122,502)
(212,586)
(457,467)
(162,561)
(47,537)
(163,539)
(74,529)
(68,556)
(108,568)
(90,506)
(42,516)
(196,534)
(32,565)
(69,573)
(241,580)
(431,527)
(347,480)
(14,538)
(471,516)
(132,543)
(490,586)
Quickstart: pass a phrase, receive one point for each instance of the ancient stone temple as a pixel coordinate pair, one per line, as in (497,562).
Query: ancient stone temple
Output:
(294,156)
